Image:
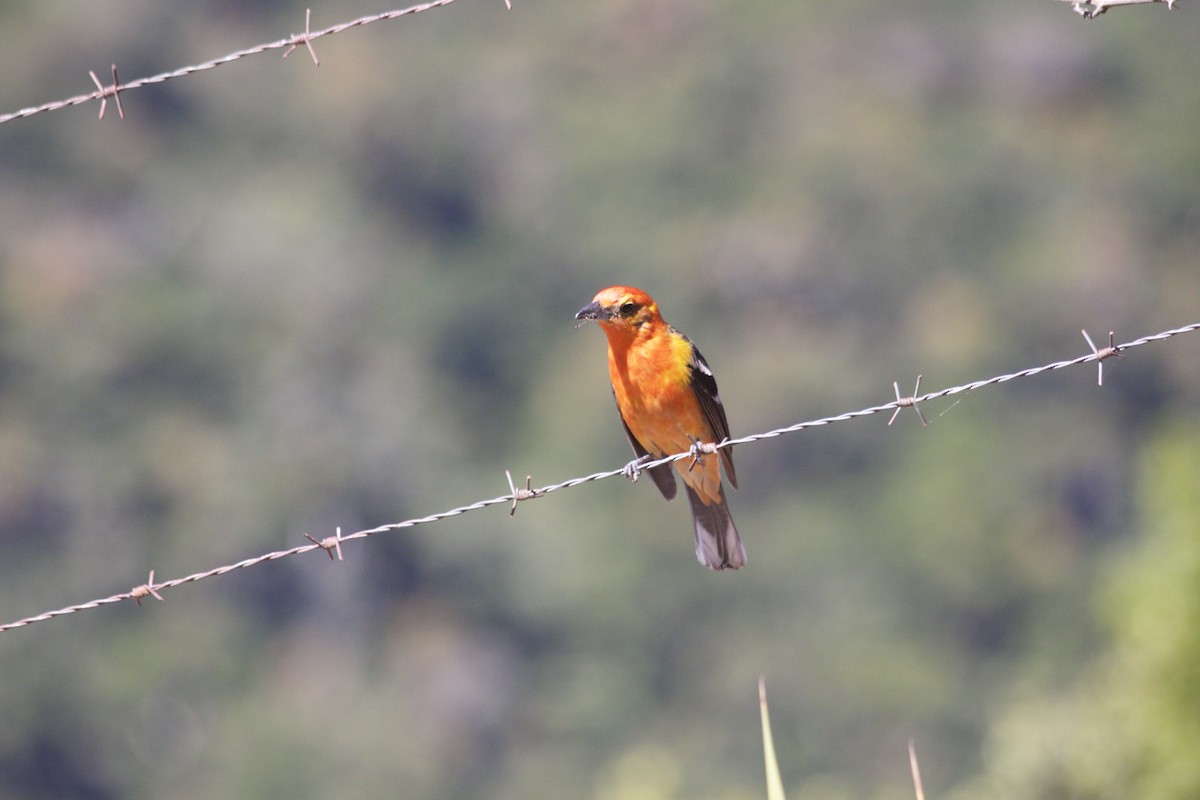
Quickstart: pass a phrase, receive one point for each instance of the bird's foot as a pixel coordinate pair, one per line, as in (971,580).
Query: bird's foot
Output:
(698,450)
(633,469)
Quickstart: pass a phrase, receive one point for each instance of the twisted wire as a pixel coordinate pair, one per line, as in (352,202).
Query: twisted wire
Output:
(104,92)
(330,544)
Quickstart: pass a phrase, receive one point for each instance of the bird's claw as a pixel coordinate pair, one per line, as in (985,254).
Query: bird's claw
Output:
(633,469)
(698,451)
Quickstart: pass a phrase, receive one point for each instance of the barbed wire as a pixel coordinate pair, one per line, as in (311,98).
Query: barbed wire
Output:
(333,544)
(114,90)
(1090,9)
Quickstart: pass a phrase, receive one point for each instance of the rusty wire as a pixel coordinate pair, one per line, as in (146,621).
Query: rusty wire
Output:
(517,494)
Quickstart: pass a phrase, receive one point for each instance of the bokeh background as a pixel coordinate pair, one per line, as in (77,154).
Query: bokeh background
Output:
(279,298)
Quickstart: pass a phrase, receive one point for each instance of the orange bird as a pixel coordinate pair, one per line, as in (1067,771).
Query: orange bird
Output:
(668,401)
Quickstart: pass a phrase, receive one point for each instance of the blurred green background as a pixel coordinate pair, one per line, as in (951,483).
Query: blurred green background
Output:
(280,298)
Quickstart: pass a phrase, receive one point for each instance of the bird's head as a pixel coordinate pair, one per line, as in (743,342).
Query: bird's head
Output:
(620,308)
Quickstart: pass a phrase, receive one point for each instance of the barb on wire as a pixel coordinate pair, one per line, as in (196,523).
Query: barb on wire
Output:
(1090,9)
(517,494)
(102,93)
(520,493)
(147,589)
(106,92)
(1102,353)
(907,402)
(330,544)
(304,39)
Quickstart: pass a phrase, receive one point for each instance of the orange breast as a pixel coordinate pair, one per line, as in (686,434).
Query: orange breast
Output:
(650,381)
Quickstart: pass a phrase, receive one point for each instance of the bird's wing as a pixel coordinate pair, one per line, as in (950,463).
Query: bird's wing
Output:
(704,385)
(663,477)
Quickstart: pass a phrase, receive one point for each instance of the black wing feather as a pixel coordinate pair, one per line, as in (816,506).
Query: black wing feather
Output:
(705,387)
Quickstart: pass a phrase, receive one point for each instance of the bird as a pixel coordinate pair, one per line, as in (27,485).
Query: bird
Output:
(668,402)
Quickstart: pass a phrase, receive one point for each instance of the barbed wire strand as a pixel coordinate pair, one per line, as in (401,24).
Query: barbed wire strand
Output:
(103,93)
(333,544)
(1089,9)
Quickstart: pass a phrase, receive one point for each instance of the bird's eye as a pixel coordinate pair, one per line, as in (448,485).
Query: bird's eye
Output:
(628,308)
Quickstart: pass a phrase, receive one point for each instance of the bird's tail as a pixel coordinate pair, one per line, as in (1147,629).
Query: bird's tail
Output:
(718,545)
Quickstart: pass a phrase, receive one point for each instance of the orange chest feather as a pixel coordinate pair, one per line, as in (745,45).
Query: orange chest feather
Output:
(651,379)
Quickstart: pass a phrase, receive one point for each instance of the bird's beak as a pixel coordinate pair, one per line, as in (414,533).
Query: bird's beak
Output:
(592,310)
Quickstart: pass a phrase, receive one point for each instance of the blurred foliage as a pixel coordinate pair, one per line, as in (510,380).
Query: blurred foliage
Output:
(280,298)
(1127,726)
